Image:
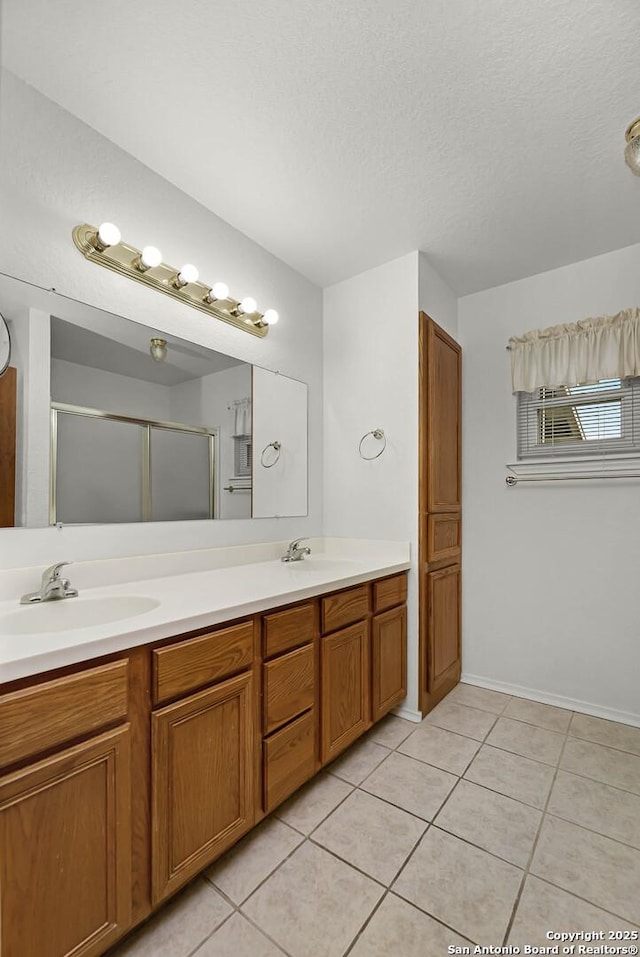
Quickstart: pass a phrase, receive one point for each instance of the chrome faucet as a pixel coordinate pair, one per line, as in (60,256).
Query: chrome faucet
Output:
(52,587)
(295,553)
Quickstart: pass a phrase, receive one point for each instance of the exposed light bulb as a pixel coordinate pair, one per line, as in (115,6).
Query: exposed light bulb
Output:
(220,290)
(188,273)
(108,235)
(270,317)
(248,304)
(150,257)
(158,349)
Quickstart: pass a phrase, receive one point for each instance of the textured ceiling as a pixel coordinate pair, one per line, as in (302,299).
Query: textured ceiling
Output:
(339,135)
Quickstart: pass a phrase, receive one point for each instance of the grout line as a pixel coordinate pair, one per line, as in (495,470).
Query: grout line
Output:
(534,846)
(600,744)
(592,830)
(545,880)
(366,923)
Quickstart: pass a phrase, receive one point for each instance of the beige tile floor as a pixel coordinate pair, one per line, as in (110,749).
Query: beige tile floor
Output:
(495,820)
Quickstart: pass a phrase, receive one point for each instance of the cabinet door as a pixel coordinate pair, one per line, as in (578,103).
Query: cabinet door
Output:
(443,648)
(345,688)
(202,780)
(440,417)
(65,851)
(389,661)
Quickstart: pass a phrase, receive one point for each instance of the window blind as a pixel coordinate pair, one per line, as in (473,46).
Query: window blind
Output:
(582,420)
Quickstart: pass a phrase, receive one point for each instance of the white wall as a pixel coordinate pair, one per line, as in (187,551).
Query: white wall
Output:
(550,572)
(57,172)
(206,401)
(371,381)
(436,298)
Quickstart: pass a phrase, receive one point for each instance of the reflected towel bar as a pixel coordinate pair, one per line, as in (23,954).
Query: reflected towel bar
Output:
(512,480)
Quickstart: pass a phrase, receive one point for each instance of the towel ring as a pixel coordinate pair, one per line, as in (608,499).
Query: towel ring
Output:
(276,447)
(377,434)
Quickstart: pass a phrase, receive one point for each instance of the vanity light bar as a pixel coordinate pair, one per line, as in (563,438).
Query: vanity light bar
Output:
(103,245)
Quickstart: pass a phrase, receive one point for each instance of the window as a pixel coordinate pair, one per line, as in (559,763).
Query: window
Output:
(600,419)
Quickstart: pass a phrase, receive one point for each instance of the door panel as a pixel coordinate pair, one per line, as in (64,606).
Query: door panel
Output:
(443,658)
(345,688)
(443,421)
(65,851)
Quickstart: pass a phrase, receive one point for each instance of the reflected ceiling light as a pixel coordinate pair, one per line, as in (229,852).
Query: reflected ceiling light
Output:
(107,235)
(149,258)
(187,274)
(105,246)
(219,290)
(632,149)
(158,349)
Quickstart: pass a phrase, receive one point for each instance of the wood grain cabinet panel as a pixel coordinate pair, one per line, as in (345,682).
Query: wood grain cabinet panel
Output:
(345,688)
(442,416)
(197,662)
(389,592)
(388,661)
(52,713)
(289,759)
(345,607)
(65,851)
(443,538)
(288,629)
(443,605)
(288,687)
(203,751)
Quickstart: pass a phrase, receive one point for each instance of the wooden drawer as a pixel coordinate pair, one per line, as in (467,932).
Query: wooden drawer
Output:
(443,538)
(345,608)
(288,685)
(289,759)
(188,665)
(288,629)
(389,592)
(50,714)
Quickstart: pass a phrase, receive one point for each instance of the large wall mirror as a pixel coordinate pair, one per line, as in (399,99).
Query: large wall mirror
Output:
(118,422)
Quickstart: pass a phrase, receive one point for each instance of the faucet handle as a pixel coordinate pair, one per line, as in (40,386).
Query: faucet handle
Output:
(296,543)
(52,573)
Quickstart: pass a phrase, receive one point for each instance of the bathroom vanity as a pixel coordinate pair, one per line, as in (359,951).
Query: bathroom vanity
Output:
(125,772)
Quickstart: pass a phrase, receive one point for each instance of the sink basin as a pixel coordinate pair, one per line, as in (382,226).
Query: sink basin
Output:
(71,613)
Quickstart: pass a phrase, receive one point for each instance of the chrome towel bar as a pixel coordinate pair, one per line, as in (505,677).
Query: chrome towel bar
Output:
(512,480)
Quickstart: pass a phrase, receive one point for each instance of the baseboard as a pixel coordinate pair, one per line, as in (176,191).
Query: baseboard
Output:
(409,714)
(571,704)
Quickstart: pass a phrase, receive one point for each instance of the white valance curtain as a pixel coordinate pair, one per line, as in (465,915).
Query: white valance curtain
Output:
(241,409)
(577,353)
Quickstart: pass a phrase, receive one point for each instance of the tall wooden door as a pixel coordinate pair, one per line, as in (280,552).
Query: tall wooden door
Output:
(7,447)
(65,851)
(440,512)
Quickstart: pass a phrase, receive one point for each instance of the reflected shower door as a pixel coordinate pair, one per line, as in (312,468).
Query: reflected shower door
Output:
(182,475)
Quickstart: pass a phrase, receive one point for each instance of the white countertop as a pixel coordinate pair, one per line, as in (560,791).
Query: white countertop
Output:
(187,599)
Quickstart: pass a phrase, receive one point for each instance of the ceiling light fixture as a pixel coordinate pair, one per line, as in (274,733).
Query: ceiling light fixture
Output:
(105,246)
(632,149)
(158,349)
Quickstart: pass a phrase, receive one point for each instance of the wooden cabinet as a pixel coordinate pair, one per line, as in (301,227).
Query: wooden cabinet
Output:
(388,661)
(121,779)
(442,603)
(202,780)
(289,701)
(345,688)
(440,512)
(65,851)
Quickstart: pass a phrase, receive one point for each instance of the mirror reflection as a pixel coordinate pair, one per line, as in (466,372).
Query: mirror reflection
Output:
(138,423)
(118,422)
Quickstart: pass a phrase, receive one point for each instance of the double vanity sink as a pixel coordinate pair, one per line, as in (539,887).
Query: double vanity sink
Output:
(150,722)
(135,601)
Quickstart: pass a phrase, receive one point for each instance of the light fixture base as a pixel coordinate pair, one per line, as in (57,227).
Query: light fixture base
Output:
(122,259)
